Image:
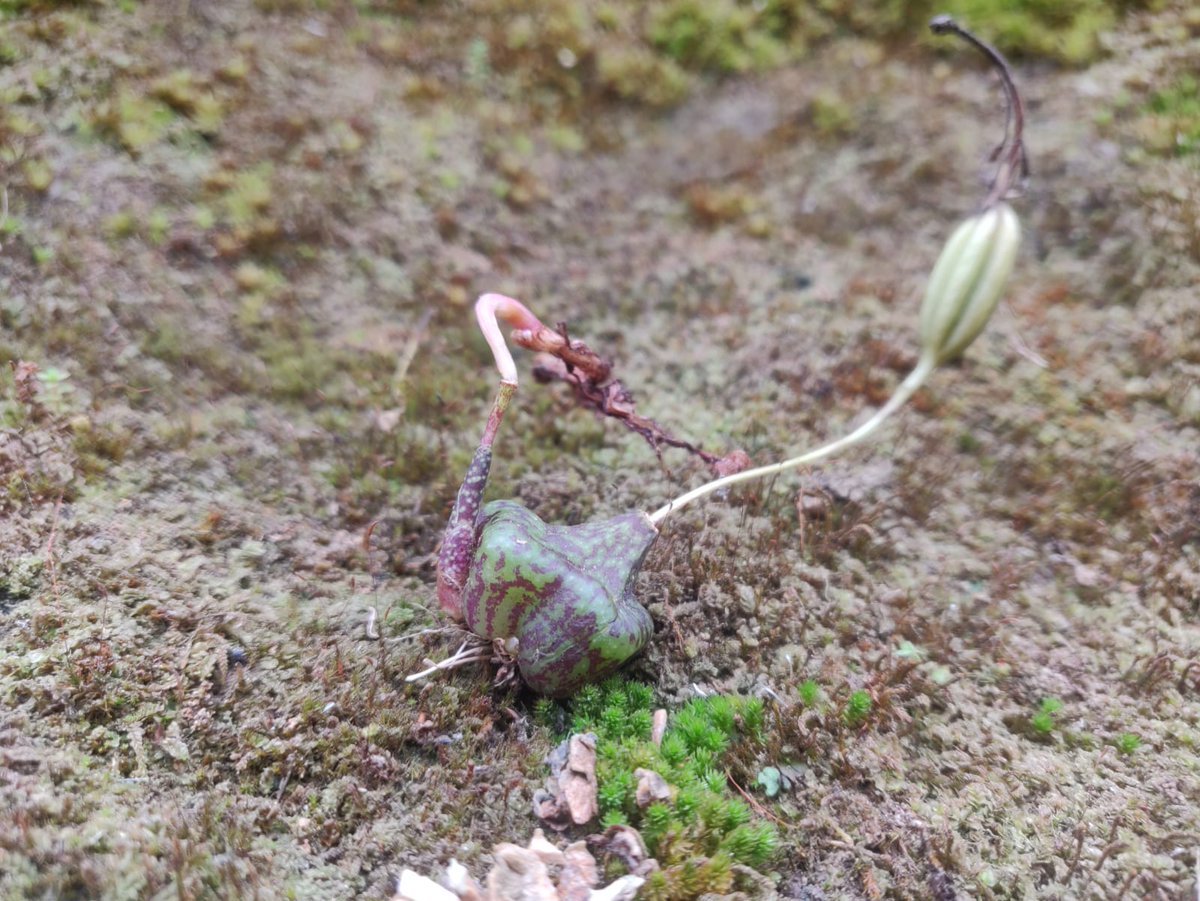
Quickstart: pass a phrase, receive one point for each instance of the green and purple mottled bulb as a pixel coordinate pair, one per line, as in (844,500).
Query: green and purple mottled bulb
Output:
(565,593)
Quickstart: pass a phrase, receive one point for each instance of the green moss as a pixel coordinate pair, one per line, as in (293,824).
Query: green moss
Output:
(20,578)
(639,74)
(187,95)
(810,693)
(38,174)
(157,226)
(1066,32)
(299,371)
(249,195)
(1127,743)
(121,225)
(1043,722)
(170,341)
(133,120)
(858,708)
(722,36)
(831,117)
(645,52)
(1171,125)
(1105,493)
(97,445)
(703,827)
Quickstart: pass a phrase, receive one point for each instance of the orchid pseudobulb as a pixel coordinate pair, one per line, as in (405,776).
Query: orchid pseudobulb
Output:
(559,599)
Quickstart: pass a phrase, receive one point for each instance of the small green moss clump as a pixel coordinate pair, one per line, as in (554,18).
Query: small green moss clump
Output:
(615,710)
(1172,122)
(1065,32)
(702,828)
(858,708)
(722,36)
(1127,743)
(1043,722)
(810,693)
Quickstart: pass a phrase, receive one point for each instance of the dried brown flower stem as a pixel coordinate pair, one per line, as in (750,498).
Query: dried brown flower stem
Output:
(1014,164)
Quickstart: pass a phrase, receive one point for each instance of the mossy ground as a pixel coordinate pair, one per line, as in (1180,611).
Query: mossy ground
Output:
(240,247)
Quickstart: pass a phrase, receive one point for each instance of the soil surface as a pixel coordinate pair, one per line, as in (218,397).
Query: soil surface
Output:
(239,254)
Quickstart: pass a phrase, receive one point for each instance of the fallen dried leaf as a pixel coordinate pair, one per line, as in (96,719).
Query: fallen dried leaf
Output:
(569,360)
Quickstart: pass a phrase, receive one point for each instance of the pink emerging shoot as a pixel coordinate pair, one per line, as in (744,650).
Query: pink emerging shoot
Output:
(491,307)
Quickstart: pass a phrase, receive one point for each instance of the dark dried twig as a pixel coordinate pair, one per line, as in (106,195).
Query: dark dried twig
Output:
(590,377)
(1010,152)
(1080,834)
(1183,685)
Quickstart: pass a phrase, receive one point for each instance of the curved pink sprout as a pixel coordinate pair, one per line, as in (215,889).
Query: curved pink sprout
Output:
(491,307)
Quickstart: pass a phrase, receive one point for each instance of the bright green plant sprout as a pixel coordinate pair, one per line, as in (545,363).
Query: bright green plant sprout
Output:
(613,818)
(1127,743)
(810,693)
(858,708)
(1043,722)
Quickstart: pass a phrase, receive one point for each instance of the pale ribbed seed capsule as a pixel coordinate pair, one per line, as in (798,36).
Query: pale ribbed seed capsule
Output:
(967,282)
